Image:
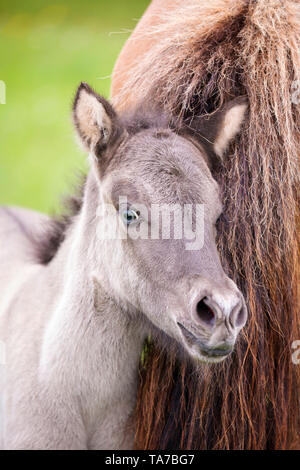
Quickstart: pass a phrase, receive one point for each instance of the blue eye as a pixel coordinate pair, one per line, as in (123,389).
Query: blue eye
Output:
(130,216)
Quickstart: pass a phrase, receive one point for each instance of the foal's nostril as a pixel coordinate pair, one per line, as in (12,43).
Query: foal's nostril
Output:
(238,317)
(205,313)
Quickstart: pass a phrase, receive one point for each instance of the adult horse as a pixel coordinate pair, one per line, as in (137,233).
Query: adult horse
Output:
(190,57)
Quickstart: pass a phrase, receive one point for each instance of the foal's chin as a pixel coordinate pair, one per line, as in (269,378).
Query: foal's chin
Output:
(199,356)
(200,352)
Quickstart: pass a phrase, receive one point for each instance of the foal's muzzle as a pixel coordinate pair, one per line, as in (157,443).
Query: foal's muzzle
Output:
(215,319)
(221,351)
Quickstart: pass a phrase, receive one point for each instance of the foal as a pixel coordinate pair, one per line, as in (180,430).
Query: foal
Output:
(74,328)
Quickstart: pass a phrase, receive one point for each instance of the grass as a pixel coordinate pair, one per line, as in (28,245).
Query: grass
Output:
(46,50)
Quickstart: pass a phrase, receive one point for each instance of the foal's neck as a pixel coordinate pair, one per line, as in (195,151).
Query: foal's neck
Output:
(92,345)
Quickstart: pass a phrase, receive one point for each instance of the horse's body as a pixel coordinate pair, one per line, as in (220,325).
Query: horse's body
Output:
(84,399)
(74,326)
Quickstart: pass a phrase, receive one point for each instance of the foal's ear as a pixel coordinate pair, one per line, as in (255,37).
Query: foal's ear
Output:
(95,120)
(218,129)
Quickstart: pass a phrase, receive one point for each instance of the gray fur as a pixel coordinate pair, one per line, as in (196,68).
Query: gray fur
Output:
(74,328)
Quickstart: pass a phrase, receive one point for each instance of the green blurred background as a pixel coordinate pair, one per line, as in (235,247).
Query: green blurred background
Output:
(46,49)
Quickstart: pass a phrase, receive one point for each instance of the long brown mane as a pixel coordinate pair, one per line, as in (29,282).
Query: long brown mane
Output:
(206,53)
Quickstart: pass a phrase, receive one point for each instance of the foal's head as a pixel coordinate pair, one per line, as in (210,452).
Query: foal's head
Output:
(158,206)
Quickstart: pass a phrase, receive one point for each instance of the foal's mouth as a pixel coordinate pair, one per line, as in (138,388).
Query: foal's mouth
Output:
(209,354)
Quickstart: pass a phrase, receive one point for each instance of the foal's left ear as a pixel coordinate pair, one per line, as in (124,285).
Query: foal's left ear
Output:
(216,131)
(96,122)
(230,120)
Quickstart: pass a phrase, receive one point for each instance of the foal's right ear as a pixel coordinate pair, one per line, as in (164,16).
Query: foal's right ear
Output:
(95,120)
